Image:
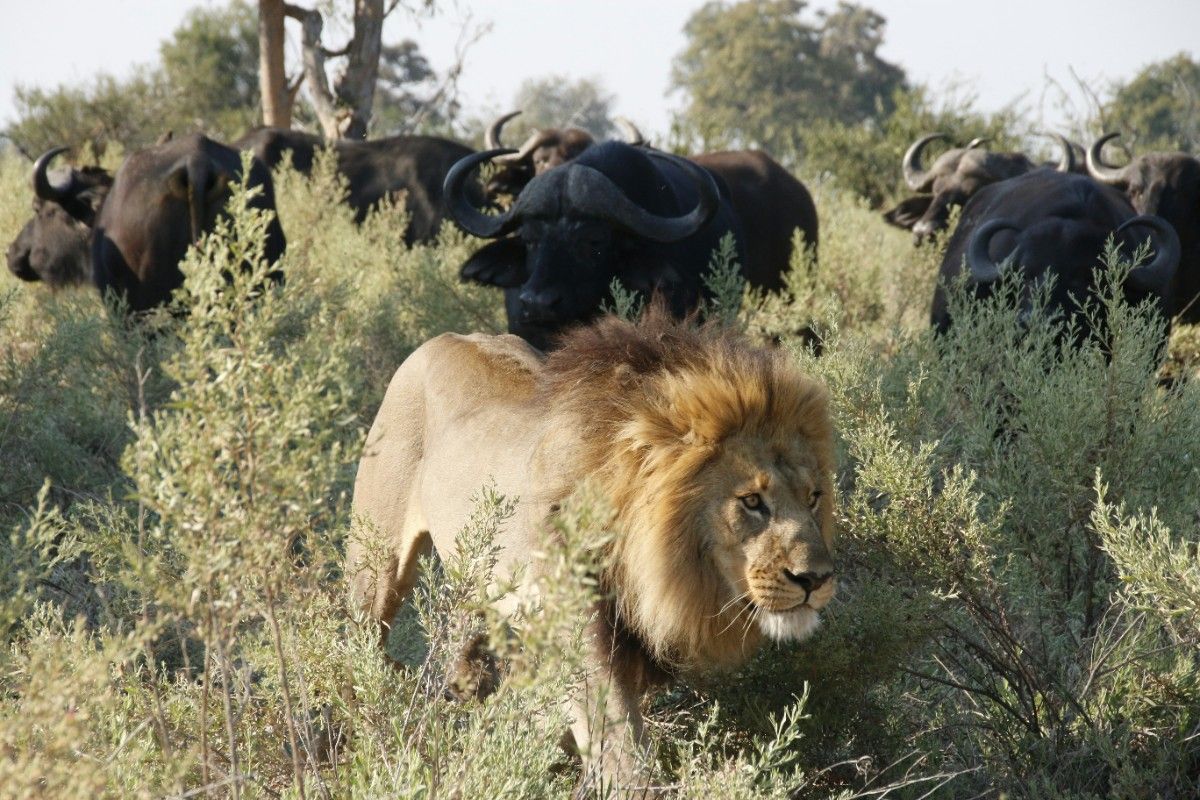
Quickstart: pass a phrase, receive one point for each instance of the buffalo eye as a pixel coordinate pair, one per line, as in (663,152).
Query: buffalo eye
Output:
(754,502)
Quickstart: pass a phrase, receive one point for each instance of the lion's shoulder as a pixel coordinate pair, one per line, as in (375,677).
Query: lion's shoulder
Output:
(476,364)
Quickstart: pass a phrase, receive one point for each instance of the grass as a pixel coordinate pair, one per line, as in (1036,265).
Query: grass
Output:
(1017,535)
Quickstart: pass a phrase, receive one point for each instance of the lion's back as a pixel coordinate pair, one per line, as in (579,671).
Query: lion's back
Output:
(444,406)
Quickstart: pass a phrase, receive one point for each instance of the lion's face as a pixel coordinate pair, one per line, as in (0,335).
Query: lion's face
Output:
(772,531)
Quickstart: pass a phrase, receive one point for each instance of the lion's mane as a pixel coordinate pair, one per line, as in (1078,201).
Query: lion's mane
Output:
(652,404)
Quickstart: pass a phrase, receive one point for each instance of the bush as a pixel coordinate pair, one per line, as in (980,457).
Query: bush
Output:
(1017,532)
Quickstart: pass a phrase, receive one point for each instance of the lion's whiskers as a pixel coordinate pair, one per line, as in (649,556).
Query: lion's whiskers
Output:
(734,619)
(741,596)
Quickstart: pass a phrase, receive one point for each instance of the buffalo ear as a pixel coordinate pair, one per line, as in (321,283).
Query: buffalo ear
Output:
(908,212)
(177,182)
(500,263)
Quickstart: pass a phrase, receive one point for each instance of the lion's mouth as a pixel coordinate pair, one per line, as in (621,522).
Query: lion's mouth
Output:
(791,625)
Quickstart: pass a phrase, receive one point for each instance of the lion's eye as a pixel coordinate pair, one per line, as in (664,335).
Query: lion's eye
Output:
(754,502)
(814,499)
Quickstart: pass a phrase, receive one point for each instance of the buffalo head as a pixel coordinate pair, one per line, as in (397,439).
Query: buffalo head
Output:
(615,212)
(542,150)
(54,246)
(952,179)
(1167,185)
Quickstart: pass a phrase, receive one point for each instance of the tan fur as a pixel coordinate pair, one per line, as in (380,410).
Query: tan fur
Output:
(679,425)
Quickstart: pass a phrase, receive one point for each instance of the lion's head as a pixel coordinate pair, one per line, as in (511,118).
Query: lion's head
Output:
(718,458)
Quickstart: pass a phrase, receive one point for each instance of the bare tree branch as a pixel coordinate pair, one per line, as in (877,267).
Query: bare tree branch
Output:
(468,36)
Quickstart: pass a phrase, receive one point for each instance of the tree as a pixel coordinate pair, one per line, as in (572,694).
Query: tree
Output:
(127,113)
(557,101)
(207,79)
(344,107)
(1157,109)
(756,72)
(406,91)
(210,65)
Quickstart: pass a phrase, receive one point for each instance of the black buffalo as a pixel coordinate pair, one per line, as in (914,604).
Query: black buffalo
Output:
(1049,223)
(952,179)
(769,202)
(162,200)
(1167,185)
(771,205)
(55,246)
(647,219)
(414,167)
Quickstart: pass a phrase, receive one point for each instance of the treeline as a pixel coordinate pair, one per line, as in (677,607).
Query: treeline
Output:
(808,86)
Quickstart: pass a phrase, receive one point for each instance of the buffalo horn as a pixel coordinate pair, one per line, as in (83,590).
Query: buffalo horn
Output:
(42,187)
(1113,176)
(979,260)
(517,156)
(1066,163)
(1157,273)
(466,215)
(914,174)
(593,193)
(491,137)
(978,141)
(629,132)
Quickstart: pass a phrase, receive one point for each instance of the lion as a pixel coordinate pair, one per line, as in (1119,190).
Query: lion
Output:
(716,457)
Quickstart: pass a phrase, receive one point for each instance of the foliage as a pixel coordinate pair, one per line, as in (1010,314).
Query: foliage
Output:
(207,79)
(121,114)
(756,73)
(865,157)
(557,101)
(210,65)
(406,92)
(1016,550)
(1157,108)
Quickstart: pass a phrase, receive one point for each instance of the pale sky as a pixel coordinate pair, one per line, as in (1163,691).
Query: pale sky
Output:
(1002,50)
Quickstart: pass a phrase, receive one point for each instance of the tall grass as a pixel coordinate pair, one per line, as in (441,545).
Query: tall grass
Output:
(1016,537)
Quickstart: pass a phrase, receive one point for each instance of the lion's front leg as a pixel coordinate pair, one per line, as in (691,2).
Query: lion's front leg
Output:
(606,721)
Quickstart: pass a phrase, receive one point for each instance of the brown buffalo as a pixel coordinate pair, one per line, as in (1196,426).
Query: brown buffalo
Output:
(162,200)
(55,246)
(412,167)
(1167,185)
(952,179)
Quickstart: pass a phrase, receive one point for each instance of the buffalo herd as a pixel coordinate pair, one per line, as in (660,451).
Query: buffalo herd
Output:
(564,216)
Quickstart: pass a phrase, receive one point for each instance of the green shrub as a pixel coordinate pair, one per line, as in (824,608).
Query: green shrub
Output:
(1018,598)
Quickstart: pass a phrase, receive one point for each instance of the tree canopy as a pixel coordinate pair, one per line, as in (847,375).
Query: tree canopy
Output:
(210,65)
(558,101)
(756,72)
(1157,108)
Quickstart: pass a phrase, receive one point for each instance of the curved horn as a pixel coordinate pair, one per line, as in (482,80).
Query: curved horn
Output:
(594,193)
(629,132)
(461,211)
(523,154)
(491,137)
(977,142)
(914,174)
(1105,173)
(42,187)
(1157,274)
(1066,162)
(979,260)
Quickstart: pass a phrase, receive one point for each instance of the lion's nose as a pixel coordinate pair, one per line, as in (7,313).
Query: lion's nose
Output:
(808,581)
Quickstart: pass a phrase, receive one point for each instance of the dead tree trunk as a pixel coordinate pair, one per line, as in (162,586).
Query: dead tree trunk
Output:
(344,110)
(272,79)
